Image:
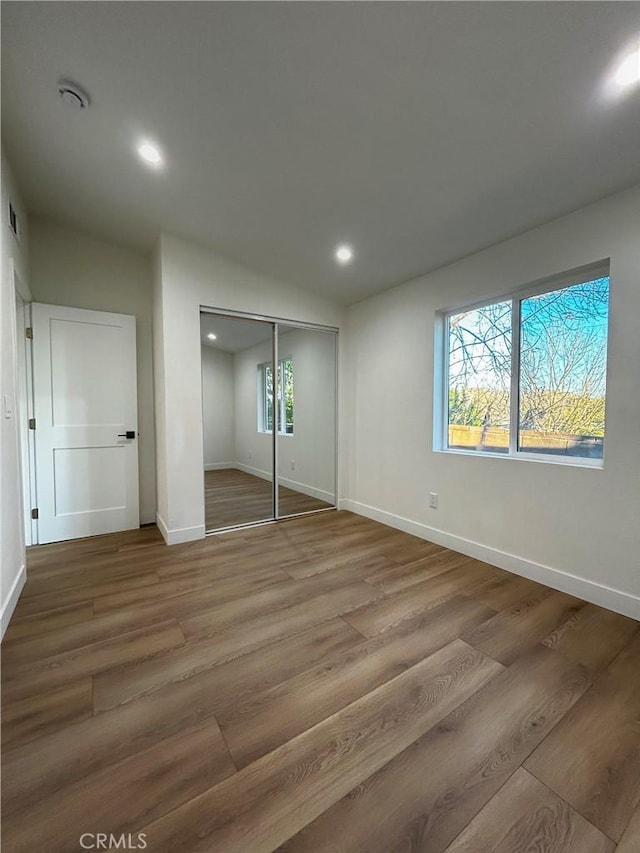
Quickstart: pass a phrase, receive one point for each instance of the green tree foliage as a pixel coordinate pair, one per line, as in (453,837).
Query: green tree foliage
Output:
(287,373)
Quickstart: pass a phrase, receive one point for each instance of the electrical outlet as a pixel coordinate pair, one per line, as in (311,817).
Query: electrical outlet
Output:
(433,500)
(293,465)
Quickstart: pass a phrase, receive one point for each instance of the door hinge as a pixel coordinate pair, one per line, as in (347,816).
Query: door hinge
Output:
(34,513)
(29,332)
(32,423)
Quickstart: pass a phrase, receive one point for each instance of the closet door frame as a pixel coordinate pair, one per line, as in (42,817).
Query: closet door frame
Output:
(275,322)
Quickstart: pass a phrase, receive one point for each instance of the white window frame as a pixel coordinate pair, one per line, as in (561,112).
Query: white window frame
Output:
(600,269)
(279,403)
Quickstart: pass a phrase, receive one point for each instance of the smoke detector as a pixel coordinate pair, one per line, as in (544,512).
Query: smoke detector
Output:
(73,95)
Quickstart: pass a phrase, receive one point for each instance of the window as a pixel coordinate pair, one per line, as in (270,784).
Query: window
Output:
(527,374)
(284,397)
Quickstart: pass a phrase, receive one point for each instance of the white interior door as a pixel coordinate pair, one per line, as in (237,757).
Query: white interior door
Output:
(24,406)
(84,382)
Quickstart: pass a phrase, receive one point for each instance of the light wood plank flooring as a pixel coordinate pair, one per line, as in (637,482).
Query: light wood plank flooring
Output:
(233,497)
(323,685)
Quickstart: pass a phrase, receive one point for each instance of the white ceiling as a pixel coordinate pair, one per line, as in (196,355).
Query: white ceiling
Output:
(418,132)
(232,334)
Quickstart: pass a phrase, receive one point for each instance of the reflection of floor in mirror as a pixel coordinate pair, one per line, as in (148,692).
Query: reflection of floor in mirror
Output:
(234,497)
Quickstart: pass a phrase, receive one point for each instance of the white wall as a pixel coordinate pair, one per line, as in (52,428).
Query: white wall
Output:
(14,263)
(548,521)
(159,380)
(70,268)
(311,446)
(190,277)
(218,401)
(254,449)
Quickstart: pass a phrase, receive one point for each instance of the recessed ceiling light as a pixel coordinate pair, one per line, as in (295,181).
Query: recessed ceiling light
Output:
(344,254)
(211,336)
(629,70)
(150,153)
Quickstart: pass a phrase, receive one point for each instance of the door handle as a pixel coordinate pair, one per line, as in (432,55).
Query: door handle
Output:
(128,434)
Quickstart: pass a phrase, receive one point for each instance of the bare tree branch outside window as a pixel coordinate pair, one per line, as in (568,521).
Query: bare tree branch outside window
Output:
(562,375)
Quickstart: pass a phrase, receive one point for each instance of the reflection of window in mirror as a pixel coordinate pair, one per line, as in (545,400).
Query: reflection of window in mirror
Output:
(284,397)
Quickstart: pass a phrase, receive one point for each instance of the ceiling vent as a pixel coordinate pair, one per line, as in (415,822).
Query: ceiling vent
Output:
(73,95)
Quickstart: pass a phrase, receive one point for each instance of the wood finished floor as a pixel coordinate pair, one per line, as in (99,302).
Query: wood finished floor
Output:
(233,497)
(324,685)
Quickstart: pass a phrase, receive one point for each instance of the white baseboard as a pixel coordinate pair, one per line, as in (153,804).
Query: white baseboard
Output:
(605,596)
(219,466)
(180,534)
(12,599)
(312,491)
(257,472)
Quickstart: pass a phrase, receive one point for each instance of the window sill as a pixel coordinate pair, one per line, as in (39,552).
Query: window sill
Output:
(546,459)
(280,434)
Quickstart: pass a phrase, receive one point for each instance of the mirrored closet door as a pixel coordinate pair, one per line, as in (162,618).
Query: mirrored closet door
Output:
(238,441)
(268,405)
(306,416)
